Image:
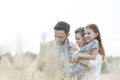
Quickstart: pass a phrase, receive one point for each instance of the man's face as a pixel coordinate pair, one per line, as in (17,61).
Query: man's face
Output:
(60,36)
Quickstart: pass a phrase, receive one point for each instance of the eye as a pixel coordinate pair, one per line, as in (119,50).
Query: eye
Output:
(85,33)
(88,33)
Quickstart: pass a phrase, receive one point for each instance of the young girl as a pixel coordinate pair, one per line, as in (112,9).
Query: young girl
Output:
(92,47)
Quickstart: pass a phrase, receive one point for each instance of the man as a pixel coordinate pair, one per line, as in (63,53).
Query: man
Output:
(61,49)
(66,47)
(61,33)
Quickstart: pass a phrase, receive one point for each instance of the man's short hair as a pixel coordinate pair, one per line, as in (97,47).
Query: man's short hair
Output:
(61,25)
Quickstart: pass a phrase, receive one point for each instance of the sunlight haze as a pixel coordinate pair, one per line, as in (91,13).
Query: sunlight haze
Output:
(23,23)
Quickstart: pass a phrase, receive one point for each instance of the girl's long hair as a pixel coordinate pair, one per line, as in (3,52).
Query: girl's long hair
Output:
(96,30)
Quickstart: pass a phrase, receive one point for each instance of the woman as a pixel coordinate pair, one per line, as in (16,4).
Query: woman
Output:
(94,66)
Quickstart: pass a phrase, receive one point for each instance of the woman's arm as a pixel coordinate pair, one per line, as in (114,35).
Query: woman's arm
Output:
(85,62)
(92,63)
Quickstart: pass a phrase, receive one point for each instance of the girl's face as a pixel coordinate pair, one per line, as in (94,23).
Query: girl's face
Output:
(79,39)
(90,35)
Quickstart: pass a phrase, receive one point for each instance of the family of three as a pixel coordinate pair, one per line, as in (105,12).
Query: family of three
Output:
(85,58)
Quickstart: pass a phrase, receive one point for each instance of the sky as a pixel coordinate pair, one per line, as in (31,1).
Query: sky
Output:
(23,23)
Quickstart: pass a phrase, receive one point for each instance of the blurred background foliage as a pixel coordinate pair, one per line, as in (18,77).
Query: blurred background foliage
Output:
(109,65)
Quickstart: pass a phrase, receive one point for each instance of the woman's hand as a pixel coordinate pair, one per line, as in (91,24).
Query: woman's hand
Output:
(76,58)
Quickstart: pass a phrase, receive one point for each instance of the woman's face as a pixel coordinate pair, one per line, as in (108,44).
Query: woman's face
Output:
(79,39)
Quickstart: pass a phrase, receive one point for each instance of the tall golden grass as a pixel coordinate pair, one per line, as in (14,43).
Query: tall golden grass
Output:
(26,67)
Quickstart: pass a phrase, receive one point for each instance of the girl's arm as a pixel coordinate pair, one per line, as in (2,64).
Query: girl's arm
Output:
(89,57)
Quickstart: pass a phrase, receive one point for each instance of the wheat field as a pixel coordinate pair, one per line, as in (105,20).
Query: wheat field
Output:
(19,67)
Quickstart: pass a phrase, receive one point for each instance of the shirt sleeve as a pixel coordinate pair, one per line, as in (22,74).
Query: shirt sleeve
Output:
(96,62)
(94,44)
